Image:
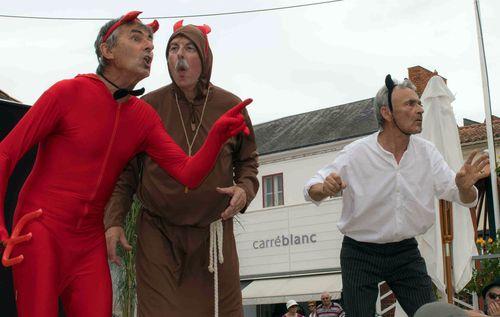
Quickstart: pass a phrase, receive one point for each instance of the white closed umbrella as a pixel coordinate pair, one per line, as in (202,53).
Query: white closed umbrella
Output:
(440,127)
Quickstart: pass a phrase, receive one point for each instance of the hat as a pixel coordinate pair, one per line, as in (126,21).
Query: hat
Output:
(291,303)
(495,282)
(439,309)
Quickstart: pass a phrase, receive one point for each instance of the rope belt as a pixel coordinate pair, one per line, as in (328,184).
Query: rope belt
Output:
(216,255)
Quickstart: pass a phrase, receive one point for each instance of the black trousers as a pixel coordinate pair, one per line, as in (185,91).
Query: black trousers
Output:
(365,265)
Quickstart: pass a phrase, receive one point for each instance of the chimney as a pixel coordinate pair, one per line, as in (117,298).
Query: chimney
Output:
(419,76)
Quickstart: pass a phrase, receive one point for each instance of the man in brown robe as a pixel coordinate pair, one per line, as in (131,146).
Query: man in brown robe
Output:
(176,226)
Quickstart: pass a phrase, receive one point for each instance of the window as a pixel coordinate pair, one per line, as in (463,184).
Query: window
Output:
(272,190)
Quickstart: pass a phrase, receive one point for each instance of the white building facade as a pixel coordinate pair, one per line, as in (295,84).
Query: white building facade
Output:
(289,248)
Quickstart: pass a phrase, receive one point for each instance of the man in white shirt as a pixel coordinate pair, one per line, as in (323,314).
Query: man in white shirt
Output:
(388,182)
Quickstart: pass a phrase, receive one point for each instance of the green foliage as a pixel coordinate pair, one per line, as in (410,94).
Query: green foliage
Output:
(126,283)
(490,268)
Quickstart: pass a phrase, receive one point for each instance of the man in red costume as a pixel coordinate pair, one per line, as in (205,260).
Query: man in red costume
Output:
(87,129)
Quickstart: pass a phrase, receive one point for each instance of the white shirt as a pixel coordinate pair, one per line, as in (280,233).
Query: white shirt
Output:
(386,202)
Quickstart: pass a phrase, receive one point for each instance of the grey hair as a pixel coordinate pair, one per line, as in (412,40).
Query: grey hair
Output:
(110,42)
(382,98)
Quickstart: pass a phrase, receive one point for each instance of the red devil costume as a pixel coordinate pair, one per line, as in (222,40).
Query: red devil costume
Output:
(85,138)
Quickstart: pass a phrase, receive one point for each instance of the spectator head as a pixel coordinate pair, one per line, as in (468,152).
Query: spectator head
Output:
(292,306)
(311,305)
(326,299)
(491,293)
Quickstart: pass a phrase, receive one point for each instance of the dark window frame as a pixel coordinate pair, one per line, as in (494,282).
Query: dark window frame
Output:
(272,176)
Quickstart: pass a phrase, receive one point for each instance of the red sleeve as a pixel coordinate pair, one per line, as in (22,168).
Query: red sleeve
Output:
(188,170)
(38,122)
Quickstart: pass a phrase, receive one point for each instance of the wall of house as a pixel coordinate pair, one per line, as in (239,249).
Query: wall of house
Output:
(467,149)
(297,166)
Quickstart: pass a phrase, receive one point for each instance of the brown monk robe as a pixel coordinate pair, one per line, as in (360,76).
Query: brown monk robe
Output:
(174,224)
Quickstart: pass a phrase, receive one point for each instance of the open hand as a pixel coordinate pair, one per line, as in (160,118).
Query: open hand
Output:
(494,308)
(472,171)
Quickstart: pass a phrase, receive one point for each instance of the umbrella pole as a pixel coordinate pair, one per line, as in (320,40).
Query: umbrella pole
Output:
(487,110)
(446,221)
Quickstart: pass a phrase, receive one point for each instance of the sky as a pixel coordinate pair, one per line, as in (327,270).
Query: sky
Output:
(289,61)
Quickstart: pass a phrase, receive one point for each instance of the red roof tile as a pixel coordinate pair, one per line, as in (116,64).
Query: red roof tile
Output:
(477,132)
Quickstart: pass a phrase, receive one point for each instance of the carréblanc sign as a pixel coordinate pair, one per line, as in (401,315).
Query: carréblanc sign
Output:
(289,238)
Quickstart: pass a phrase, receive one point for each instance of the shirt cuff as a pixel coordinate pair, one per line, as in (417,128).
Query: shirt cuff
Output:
(471,204)
(306,192)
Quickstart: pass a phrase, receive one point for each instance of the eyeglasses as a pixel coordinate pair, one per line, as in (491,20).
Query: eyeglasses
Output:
(493,296)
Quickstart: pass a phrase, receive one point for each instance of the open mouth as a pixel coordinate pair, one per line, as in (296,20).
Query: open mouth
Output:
(147,60)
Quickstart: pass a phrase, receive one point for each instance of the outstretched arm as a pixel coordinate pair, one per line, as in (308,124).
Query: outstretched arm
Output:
(191,170)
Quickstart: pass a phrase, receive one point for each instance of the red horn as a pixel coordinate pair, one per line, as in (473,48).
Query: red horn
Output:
(154,25)
(205,29)
(178,25)
(130,16)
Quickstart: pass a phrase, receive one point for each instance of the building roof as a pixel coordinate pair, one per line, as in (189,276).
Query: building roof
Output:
(337,123)
(5,96)
(316,127)
(469,122)
(477,132)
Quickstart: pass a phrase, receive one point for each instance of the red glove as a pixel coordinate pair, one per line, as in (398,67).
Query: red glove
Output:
(230,123)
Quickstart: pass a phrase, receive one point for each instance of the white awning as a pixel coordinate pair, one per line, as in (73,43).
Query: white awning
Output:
(301,289)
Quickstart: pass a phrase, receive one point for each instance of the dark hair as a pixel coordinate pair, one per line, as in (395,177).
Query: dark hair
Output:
(494,283)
